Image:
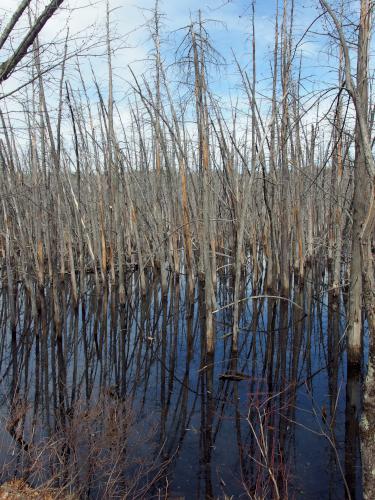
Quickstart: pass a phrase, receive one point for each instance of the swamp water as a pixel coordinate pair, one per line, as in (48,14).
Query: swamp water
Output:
(118,400)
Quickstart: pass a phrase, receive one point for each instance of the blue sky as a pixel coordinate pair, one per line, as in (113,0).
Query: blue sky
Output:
(229,25)
(231,31)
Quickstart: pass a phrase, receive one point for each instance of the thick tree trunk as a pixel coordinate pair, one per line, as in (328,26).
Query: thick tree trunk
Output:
(360,199)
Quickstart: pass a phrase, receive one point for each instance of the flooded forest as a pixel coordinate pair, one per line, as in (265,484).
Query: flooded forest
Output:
(187,277)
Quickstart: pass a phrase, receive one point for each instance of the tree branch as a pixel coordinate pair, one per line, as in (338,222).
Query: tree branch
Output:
(7,67)
(13,21)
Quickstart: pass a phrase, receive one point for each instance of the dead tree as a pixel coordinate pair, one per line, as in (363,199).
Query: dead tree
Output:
(362,266)
(8,66)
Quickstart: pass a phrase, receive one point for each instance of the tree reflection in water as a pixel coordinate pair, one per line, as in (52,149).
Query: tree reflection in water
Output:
(122,400)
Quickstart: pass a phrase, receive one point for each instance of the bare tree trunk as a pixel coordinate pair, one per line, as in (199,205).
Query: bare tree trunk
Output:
(202,121)
(284,202)
(360,197)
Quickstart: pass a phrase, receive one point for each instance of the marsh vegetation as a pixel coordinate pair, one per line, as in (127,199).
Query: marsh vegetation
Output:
(187,302)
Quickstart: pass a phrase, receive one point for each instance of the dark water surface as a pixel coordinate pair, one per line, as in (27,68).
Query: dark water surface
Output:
(118,400)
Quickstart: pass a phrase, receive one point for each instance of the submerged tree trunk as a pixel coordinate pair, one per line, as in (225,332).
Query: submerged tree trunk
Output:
(197,41)
(359,213)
